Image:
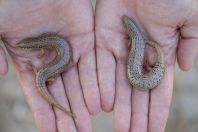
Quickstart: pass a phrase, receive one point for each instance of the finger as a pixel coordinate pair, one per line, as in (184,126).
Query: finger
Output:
(75,97)
(106,77)
(122,107)
(88,79)
(160,99)
(187,51)
(3,62)
(139,117)
(43,113)
(64,122)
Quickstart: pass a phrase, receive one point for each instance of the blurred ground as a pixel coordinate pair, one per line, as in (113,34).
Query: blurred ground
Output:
(15,115)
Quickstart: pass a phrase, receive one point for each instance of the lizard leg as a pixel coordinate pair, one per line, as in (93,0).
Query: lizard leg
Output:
(146,65)
(50,81)
(129,44)
(32,67)
(41,53)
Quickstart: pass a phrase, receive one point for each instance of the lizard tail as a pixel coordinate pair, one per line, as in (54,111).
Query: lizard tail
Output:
(45,94)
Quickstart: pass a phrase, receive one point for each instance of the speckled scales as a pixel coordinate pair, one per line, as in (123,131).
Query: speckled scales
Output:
(56,66)
(140,80)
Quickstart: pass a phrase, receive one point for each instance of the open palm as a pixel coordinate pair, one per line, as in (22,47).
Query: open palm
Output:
(172,24)
(77,87)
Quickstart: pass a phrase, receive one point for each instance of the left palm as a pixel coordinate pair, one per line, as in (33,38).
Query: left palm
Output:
(77,87)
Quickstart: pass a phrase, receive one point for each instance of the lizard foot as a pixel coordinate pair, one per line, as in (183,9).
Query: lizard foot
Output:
(32,67)
(50,81)
(41,54)
(147,67)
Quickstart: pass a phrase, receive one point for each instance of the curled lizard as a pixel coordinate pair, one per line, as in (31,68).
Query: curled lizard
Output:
(56,66)
(140,80)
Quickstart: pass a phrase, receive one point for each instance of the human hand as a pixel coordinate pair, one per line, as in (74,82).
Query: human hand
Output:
(77,88)
(172,24)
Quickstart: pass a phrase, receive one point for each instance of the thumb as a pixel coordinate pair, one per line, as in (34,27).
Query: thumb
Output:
(3,62)
(186,53)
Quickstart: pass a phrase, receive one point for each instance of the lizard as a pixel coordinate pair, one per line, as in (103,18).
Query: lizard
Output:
(137,42)
(56,66)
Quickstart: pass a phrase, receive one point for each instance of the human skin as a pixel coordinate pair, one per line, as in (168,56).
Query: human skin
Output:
(172,24)
(136,111)
(76,89)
